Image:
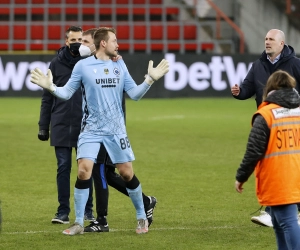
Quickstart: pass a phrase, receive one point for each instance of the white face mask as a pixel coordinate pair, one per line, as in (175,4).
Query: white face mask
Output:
(85,50)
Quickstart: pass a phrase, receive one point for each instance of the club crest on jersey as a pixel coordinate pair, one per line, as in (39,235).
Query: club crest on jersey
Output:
(106,71)
(116,71)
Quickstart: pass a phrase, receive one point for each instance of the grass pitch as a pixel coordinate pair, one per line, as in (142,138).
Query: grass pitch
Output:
(187,152)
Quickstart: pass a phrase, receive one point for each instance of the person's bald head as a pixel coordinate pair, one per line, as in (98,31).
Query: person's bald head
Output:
(274,43)
(277,33)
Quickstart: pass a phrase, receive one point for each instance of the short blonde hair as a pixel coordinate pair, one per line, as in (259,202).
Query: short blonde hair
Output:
(102,34)
(89,32)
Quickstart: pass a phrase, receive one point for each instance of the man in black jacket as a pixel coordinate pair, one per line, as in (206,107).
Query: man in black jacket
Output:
(276,56)
(64,120)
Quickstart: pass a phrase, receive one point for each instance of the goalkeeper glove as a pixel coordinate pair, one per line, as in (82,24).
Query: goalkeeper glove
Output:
(155,73)
(37,77)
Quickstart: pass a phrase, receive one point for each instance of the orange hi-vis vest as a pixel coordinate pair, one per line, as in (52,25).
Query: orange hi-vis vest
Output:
(278,173)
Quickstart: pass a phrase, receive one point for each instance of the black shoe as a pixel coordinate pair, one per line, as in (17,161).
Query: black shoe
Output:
(96,227)
(149,210)
(89,217)
(61,219)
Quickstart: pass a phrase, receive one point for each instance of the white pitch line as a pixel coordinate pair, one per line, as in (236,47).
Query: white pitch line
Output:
(167,117)
(125,230)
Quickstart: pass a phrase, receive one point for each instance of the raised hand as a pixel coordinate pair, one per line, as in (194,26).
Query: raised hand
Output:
(37,77)
(156,73)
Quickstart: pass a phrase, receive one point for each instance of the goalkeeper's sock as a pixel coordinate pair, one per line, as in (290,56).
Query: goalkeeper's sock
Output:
(134,190)
(81,195)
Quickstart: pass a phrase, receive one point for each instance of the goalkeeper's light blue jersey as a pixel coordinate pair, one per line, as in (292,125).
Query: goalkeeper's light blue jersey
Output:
(102,84)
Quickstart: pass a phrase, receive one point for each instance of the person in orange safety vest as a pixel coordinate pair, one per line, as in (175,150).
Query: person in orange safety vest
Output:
(273,151)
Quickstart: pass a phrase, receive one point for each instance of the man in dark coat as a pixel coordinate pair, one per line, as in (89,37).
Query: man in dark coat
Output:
(276,56)
(64,120)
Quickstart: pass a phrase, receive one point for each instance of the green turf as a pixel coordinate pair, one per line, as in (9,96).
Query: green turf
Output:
(187,152)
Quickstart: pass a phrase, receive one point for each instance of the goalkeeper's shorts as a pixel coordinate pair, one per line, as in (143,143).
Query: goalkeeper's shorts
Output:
(118,147)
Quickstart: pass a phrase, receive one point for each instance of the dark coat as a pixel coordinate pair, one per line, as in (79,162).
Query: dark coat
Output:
(259,73)
(64,117)
(260,133)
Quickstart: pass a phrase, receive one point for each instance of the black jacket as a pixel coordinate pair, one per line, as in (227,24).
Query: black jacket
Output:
(260,132)
(259,73)
(64,117)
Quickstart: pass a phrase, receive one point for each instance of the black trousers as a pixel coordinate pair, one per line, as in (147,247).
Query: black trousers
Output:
(104,175)
(64,164)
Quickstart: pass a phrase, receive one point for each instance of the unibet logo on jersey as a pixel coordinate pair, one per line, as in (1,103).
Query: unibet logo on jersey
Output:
(108,82)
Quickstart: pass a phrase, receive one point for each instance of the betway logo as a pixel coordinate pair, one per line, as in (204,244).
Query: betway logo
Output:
(201,76)
(13,76)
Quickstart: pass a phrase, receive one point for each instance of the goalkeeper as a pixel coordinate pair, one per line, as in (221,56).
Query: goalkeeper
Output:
(103,82)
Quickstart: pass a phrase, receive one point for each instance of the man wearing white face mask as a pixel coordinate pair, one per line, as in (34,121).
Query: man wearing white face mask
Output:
(63,120)
(87,47)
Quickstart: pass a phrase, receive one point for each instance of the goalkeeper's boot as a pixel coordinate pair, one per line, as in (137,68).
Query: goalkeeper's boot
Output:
(142,226)
(97,226)
(150,208)
(76,228)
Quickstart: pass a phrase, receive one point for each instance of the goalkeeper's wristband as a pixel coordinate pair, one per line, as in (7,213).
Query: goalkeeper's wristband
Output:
(149,79)
(52,88)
